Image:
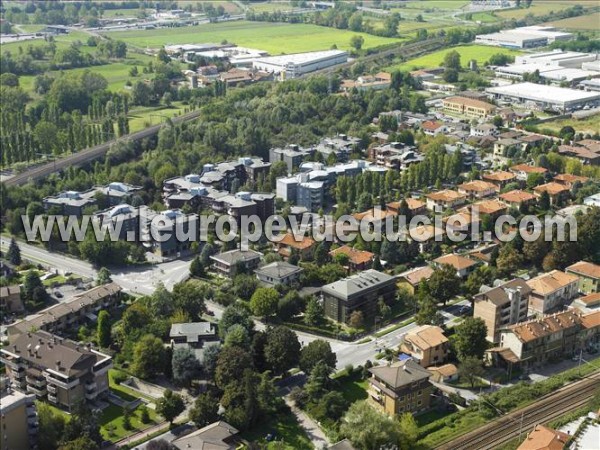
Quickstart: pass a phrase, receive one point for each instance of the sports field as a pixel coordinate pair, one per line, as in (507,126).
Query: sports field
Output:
(276,38)
(480,53)
(589,22)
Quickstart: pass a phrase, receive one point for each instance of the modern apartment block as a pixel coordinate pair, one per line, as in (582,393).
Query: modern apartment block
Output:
(502,306)
(551,291)
(400,387)
(19,422)
(59,370)
(359,292)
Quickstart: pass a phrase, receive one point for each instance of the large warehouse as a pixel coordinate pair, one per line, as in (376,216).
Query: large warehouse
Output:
(544,97)
(524,37)
(297,64)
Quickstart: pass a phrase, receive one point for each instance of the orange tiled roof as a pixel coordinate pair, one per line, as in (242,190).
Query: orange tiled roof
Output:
(302,244)
(552,188)
(591,320)
(431,125)
(587,269)
(425,232)
(536,329)
(544,438)
(426,337)
(550,282)
(528,169)
(500,175)
(356,256)
(447,370)
(569,178)
(590,299)
(446,195)
(517,196)
(412,203)
(477,186)
(373,214)
(456,261)
(414,276)
(490,206)
(465,101)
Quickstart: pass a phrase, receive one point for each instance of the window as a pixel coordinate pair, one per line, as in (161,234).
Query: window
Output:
(419,403)
(419,393)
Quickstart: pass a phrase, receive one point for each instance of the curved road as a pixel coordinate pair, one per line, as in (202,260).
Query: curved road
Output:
(89,154)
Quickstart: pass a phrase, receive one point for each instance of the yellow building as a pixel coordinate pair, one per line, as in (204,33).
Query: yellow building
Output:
(401,387)
(468,107)
(427,345)
(19,421)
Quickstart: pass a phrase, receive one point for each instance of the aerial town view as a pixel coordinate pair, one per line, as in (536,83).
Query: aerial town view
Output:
(297,224)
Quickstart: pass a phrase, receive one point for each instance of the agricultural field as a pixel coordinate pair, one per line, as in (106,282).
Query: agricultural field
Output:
(480,53)
(484,17)
(589,125)
(449,5)
(589,22)
(228,6)
(61,41)
(270,6)
(538,7)
(276,38)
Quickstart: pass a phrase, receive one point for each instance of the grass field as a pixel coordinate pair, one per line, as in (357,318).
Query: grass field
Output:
(480,53)
(111,422)
(590,125)
(62,41)
(275,38)
(588,22)
(484,17)
(288,433)
(537,7)
(271,6)
(141,118)
(450,5)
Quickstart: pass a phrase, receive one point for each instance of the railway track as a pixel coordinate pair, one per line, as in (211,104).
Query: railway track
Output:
(510,426)
(88,154)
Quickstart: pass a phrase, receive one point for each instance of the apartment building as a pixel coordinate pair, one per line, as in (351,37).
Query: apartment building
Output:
(400,387)
(70,203)
(468,107)
(59,370)
(501,306)
(230,262)
(445,199)
(553,337)
(359,292)
(484,129)
(427,345)
(19,422)
(477,189)
(67,316)
(551,291)
(340,146)
(293,155)
(589,276)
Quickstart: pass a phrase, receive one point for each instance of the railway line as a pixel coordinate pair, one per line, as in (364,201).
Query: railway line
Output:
(518,423)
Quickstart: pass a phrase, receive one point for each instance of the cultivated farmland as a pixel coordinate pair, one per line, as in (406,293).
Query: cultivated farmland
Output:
(276,38)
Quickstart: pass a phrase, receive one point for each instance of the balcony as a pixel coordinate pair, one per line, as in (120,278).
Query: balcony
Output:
(10,362)
(63,384)
(52,389)
(91,395)
(39,382)
(91,386)
(40,392)
(52,398)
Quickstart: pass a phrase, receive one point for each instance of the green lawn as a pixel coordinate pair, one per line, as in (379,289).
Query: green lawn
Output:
(352,387)
(288,433)
(141,118)
(111,422)
(589,125)
(481,53)
(275,38)
(62,41)
(484,17)
(271,6)
(123,391)
(449,5)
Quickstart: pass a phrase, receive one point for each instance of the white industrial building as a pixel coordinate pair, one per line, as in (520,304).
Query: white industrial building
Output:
(537,96)
(298,64)
(557,58)
(524,37)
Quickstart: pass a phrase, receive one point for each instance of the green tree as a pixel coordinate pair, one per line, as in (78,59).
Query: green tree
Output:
(232,315)
(315,352)
(185,366)
(444,283)
(103,329)
(509,259)
(313,315)
(282,349)
(237,336)
(205,409)
(170,405)
(264,302)
(452,60)
(33,289)
(197,268)
(470,338)
(544,201)
(357,319)
(104,276)
(357,41)
(14,253)
(367,428)
(289,305)
(232,362)
(81,443)
(148,357)
(409,431)
(470,369)
(319,381)
(83,424)
(190,296)
(51,426)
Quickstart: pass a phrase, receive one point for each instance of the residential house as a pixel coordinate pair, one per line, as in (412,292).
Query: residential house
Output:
(589,276)
(530,141)
(357,259)
(588,302)
(568,179)
(477,189)
(415,206)
(60,370)
(228,263)
(445,199)
(359,292)
(444,374)
(400,387)
(117,192)
(551,291)
(518,198)
(491,207)
(381,80)
(589,335)
(196,336)
(218,435)
(70,203)
(544,438)
(10,299)
(503,305)
(464,266)
(304,246)
(462,221)
(433,128)
(468,106)
(484,129)
(427,345)
(20,424)
(502,147)
(558,192)
(411,279)
(278,273)
(426,236)
(522,171)
(584,154)
(66,317)
(500,178)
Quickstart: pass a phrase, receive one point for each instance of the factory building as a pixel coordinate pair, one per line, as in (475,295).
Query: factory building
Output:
(298,64)
(524,37)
